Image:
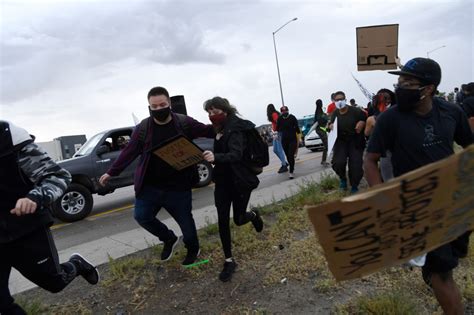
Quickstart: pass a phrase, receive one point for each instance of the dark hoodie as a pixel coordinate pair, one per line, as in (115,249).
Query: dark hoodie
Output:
(26,171)
(229,151)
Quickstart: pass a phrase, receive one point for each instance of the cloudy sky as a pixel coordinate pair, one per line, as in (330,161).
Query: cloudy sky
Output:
(80,67)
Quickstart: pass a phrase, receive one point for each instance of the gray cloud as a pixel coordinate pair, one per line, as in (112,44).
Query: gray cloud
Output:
(40,51)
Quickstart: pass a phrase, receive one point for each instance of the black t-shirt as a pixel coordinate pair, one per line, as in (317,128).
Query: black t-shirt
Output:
(347,122)
(416,140)
(288,128)
(159,173)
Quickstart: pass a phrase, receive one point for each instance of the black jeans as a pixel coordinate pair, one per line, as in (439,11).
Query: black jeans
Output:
(35,256)
(289,146)
(324,138)
(225,195)
(352,150)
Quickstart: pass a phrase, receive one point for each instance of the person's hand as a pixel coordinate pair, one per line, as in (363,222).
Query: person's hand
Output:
(208,156)
(104,179)
(330,126)
(359,126)
(24,206)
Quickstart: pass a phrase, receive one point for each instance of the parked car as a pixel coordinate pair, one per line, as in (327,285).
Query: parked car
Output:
(305,124)
(312,141)
(93,159)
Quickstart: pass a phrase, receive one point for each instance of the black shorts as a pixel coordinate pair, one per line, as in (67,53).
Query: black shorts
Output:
(446,257)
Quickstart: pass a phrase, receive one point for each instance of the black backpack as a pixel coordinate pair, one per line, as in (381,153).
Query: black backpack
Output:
(256,155)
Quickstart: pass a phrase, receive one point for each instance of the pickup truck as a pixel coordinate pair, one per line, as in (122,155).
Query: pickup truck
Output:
(93,159)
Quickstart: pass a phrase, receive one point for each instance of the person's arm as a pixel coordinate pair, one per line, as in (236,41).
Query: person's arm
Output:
(463,134)
(371,169)
(198,129)
(236,145)
(369,126)
(296,126)
(362,117)
(49,179)
(133,149)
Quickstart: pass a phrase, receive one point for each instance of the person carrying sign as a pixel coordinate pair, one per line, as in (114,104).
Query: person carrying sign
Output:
(29,183)
(420,130)
(350,142)
(233,178)
(157,184)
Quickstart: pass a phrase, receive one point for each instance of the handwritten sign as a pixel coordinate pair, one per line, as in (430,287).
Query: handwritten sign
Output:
(391,223)
(180,153)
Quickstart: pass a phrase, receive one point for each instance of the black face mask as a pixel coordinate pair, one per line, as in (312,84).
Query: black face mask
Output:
(407,98)
(285,115)
(160,114)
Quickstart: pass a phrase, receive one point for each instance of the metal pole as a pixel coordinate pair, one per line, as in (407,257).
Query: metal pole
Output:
(428,52)
(276,58)
(278,70)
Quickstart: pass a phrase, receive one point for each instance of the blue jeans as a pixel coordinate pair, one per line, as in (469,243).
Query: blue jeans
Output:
(278,149)
(178,204)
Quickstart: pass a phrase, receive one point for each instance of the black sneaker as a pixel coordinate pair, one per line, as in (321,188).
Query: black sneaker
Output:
(168,248)
(283,169)
(85,268)
(257,221)
(229,269)
(191,257)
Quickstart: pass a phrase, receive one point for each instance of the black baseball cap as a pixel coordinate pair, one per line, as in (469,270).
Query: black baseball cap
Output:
(427,70)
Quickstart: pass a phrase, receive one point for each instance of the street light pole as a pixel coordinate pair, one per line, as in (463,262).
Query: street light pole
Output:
(428,52)
(276,57)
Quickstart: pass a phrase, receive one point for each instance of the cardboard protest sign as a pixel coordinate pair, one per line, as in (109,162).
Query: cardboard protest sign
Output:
(179,153)
(332,136)
(377,47)
(403,218)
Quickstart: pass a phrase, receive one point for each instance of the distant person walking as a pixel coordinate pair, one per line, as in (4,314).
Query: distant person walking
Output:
(234,180)
(287,124)
(157,184)
(29,183)
(272,116)
(321,119)
(350,142)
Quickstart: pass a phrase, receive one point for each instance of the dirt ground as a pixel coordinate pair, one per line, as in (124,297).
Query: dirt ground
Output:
(280,271)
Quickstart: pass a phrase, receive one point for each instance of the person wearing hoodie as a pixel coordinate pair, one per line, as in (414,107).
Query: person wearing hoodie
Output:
(234,180)
(350,142)
(287,125)
(29,183)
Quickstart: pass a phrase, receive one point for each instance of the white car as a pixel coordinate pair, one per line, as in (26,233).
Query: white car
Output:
(312,141)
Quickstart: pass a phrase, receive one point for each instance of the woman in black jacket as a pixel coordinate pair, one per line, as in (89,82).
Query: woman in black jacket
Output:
(234,181)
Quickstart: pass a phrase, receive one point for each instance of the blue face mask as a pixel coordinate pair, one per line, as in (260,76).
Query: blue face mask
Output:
(341,104)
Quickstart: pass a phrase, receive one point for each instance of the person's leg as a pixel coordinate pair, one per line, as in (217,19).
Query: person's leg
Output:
(179,205)
(7,303)
(278,150)
(147,205)
(339,161)
(291,151)
(35,256)
(437,273)
(355,165)
(324,138)
(223,199)
(240,201)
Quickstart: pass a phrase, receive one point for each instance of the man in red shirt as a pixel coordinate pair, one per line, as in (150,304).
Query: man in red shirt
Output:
(332,106)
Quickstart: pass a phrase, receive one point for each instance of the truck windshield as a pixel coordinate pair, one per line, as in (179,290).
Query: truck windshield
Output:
(89,145)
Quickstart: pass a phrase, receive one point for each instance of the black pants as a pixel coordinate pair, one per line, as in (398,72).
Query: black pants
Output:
(352,150)
(324,138)
(225,195)
(289,146)
(35,256)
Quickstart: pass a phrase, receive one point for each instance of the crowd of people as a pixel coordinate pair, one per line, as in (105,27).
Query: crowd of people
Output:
(405,129)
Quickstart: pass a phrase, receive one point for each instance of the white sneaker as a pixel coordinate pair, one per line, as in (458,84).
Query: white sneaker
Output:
(291,176)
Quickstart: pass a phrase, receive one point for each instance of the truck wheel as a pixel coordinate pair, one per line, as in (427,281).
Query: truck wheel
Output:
(205,173)
(74,205)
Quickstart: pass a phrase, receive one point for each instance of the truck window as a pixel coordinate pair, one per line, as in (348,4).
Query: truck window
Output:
(89,145)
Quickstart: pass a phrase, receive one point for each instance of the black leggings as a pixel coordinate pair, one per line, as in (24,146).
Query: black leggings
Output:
(36,258)
(289,146)
(226,194)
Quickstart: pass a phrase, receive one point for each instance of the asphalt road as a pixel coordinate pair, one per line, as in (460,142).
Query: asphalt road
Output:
(113,213)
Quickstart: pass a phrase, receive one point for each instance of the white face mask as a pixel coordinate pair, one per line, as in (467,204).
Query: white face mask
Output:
(341,104)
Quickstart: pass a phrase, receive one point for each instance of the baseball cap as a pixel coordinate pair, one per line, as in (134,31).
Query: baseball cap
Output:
(427,70)
(283,109)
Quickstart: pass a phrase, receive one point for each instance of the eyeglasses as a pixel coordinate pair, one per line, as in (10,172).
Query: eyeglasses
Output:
(408,86)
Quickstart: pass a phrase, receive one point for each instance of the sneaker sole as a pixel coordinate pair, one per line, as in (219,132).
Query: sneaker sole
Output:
(97,270)
(172,250)
(197,255)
